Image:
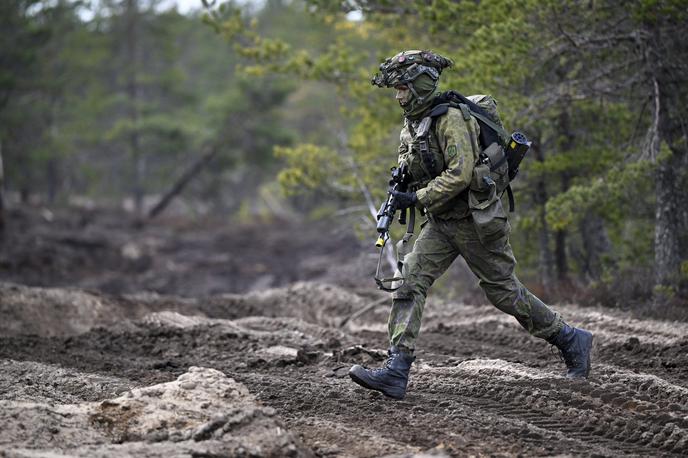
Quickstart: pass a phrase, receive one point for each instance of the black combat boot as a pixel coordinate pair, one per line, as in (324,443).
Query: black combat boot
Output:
(574,345)
(391,379)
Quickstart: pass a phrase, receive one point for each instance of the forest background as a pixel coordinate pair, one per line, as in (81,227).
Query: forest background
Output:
(264,110)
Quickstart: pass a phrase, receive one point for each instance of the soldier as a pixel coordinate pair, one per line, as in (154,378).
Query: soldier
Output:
(451,148)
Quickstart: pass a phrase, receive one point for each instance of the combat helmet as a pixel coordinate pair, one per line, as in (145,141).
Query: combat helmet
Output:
(405,67)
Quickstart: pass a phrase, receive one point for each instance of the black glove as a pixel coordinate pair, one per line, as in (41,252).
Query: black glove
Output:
(403,200)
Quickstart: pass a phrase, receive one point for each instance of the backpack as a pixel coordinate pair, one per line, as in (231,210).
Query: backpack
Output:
(500,154)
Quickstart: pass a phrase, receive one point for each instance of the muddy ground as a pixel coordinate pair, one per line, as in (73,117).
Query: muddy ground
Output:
(261,370)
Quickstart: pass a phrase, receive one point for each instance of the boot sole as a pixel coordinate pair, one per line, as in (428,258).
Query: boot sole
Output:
(360,381)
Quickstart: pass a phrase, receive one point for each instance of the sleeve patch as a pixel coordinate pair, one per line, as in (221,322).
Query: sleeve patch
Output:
(451,152)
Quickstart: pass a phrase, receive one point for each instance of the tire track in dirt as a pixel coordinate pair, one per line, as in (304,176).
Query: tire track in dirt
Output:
(367,424)
(664,354)
(605,412)
(636,406)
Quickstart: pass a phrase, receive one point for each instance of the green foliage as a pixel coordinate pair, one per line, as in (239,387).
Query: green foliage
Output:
(556,76)
(310,168)
(246,121)
(68,108)
(611,197)
(287,84)
(21,35)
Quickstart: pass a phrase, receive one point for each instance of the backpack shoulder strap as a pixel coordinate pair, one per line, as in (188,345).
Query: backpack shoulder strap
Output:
(468,109)
(456,100)
(439,110)
(492,125)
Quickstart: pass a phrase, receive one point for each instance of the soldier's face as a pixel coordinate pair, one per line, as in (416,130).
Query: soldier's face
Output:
(402,94)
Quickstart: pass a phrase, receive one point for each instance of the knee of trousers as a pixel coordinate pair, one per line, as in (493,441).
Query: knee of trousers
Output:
(505,295)
(412,288)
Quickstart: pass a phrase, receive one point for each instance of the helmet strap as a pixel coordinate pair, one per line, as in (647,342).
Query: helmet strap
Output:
(418,98)
(413,91)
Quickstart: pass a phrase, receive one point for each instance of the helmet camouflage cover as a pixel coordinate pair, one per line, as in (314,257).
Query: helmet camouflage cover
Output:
(409,65)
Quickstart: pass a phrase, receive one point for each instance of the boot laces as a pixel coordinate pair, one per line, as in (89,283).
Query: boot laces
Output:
(385,366)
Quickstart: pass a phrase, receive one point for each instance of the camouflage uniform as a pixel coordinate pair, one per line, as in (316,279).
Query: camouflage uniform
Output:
(465,217)
(450,231)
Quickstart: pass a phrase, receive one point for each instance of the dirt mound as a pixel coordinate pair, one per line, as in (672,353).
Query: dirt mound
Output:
(318,303)
(33,311)
(59,312)
(202,413)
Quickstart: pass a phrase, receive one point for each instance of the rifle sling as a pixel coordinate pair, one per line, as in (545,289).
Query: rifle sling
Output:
(380,281)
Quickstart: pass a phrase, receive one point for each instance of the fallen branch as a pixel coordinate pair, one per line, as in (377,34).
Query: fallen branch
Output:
(183,180)
(365,309)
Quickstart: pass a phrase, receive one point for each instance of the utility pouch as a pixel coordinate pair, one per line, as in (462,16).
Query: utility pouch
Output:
(489,217)
(499,168)
(480,181)
(497,158)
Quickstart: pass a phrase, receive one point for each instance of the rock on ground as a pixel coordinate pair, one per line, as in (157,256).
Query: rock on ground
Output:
(202,413)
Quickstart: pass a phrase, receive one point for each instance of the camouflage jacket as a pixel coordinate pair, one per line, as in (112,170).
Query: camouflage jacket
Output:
(451,143)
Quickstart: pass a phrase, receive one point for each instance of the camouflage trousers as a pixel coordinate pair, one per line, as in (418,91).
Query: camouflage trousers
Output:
(437,246)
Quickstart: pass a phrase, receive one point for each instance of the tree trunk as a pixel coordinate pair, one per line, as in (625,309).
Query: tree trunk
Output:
(669,214)
(595,244)
(560,255)
(667,230)
(564,125)
(181,183)
(52,170)
(138,160)
(2,198)
(683,208)
(670,99)
(560,240)
(546,260)
(26,180)
(52,179)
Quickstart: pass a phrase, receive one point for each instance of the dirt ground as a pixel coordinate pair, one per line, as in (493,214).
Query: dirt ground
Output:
(260,369)
(103,250)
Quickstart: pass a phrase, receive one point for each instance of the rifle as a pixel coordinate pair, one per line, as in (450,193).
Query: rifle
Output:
(385,216)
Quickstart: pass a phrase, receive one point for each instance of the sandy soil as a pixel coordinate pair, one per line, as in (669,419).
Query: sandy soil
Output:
(264,373)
